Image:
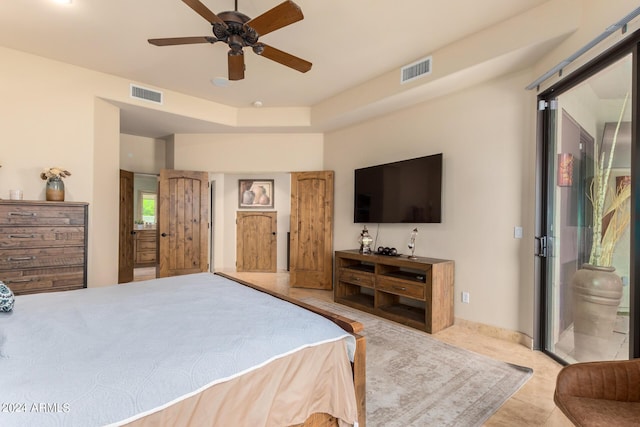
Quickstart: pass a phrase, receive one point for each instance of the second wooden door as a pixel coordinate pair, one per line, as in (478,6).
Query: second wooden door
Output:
(311,259)
(183,214)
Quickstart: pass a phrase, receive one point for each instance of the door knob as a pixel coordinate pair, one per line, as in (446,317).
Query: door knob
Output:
(164,234)
(133,233)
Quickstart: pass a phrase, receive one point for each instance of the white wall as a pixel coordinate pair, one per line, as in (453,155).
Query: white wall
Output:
(282,205)
(104,199)
(229,157)
(487,186)
(142,155)
(251,153)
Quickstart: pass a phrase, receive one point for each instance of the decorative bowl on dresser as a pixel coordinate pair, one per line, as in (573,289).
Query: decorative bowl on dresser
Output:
(415,292)
(43,245)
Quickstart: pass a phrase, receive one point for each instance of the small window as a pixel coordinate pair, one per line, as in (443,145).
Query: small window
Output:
(148,207)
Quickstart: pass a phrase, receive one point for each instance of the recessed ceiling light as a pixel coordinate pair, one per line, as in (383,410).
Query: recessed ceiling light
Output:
(63,1)
(220,81)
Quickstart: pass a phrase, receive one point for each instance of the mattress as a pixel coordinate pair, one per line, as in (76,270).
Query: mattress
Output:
(128,353)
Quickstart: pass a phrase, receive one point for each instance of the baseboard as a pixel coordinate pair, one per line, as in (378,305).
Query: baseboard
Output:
(495,332)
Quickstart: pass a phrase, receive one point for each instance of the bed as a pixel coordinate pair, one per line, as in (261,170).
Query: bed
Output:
(191,350)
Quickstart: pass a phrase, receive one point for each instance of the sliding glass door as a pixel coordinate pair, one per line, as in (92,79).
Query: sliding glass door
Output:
(587,309)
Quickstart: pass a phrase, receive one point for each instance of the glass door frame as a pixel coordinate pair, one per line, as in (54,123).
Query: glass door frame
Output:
(546,120)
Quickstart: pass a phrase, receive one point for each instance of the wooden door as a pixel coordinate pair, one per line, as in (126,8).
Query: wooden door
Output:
(126,232)
(183,218)
(256,241)
(311,250)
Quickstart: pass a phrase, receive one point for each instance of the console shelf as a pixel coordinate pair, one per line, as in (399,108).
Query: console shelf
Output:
(414,292)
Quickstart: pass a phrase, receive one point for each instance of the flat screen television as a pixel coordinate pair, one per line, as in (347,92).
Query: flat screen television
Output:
(405,191)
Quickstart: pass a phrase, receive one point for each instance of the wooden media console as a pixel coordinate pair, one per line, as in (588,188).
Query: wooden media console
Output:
(414,292)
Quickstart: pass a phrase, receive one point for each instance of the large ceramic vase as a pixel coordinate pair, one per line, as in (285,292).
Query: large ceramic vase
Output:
(597,292)
(55,189)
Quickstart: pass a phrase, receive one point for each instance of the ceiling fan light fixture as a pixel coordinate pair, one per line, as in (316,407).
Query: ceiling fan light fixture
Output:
(220,81)
(238,31)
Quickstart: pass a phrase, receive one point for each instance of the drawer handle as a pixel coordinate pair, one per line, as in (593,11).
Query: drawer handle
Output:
(22,236)
(23,214)
(19,281)
(21,258)
(399,288)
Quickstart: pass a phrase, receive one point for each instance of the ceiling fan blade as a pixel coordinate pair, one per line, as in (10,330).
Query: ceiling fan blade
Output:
(280,16)
(204,11)
(285,58)
(182,40)
(235,63)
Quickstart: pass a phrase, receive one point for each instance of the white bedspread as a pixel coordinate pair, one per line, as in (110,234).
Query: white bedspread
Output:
(99,356)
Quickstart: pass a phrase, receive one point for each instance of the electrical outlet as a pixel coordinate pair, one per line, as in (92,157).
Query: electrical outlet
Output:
(465,297)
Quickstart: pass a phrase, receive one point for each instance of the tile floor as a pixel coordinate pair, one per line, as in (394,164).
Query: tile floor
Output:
(532,405)
(616,347)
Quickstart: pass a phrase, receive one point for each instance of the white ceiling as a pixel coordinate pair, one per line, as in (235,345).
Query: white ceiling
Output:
(348,41)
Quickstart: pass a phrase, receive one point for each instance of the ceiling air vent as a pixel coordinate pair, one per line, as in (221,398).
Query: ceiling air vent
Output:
(415,70)
(145,94)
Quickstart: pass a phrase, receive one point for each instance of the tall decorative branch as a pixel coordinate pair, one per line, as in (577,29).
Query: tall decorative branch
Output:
(598,196)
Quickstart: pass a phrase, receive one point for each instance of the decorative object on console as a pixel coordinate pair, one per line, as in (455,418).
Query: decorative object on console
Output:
(412,243)
(55,185)
(382,250)
(365,241)
(6,298)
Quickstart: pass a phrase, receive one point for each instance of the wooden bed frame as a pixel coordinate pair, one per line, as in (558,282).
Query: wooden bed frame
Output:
(358,366)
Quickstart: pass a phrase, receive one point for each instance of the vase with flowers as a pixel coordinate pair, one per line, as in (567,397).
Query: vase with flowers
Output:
(55,186)
(597,289)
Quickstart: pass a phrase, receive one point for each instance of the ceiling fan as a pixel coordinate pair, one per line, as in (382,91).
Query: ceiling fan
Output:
(238,30)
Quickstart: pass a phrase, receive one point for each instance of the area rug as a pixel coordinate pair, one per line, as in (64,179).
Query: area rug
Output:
(416,380)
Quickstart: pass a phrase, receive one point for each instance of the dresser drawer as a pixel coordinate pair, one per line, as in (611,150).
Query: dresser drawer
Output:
(44,257)
(355,277)
(30,237)
(400,287)
(144,245)
(146,235)
(28,214)
(144,257)
(43,279)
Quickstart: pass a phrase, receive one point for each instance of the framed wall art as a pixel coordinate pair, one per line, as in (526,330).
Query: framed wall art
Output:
(255,193)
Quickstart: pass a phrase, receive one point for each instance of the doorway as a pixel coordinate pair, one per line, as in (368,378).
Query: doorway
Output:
(138,226)
(586,162)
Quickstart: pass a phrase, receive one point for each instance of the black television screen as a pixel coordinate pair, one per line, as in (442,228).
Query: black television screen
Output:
(406,191)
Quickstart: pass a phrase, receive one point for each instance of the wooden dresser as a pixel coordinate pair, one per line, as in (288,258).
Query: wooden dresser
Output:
(145,247)
(43,245)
